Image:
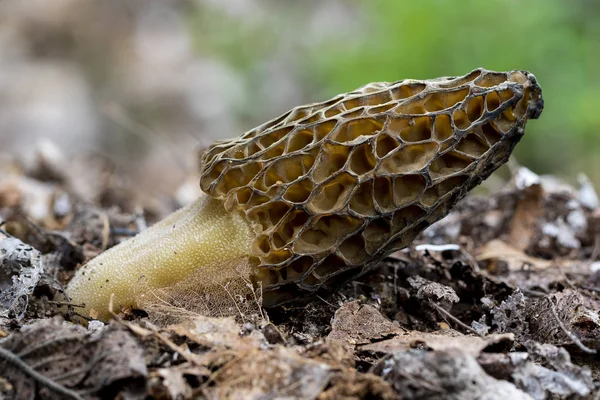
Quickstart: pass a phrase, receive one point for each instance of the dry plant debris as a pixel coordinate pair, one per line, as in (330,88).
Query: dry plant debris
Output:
(497,300)
(360,324)
(74,363)
(20,271)
(443,375)
(445,340)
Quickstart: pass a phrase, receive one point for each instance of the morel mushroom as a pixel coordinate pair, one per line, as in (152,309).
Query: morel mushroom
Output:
(321,194)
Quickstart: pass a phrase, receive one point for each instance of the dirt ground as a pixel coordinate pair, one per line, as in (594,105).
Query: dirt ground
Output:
(498,300)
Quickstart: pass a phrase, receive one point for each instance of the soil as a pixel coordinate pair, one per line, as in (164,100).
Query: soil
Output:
(498,300)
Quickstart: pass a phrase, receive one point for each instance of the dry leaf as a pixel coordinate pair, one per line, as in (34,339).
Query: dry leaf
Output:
(216,333)
(447,340)
(360,324)
(530,208)
(515,258)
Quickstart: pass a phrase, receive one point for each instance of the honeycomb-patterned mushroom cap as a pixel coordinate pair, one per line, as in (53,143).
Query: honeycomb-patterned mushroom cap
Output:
(331,188)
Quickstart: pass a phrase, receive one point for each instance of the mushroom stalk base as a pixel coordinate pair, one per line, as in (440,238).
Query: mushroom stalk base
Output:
(201,236)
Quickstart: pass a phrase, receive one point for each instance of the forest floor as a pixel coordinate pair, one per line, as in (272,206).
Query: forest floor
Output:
(499,300)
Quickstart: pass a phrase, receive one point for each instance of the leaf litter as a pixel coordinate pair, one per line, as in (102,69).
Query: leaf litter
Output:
(500,299)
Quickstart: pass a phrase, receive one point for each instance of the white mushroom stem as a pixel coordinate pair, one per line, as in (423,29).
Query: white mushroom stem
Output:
(199,235)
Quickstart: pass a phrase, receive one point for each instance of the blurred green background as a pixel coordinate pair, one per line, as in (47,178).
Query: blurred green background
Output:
(156,75)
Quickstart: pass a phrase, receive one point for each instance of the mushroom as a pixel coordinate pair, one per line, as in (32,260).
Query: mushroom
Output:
(321,194)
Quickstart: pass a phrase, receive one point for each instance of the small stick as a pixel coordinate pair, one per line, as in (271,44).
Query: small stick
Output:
(124,232)
(533,293)
(453,318)
(593,289)
(16,361)
(140,220)
(85,317)
(65,303)
(191,358)
(570,334)
(325,301)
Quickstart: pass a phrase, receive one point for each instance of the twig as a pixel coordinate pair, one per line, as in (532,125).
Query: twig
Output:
(124,232)
(236,358)
(224,287)
(13,359)
(84,317)
(593,289)
(396,278)
(65,303)
(325,301)
(570,334)
(138,330)
(453,318)
(140,220)
(258,300)
(50,342)
(533,293)
(471,260)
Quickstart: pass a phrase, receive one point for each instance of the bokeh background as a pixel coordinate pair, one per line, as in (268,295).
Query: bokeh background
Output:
(146,82)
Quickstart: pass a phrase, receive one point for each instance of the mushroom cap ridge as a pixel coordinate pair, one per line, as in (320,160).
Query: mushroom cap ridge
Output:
(331,188)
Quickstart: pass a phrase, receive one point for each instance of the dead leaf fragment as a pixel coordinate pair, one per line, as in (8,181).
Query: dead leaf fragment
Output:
(530,207)
(544,372)
(21,268)
(578,314)
(360,324)
(447,340)
(104,362)
(216,333)
(349,384)
(443,375)
(515,258)
(432,290)
(173,381)
(277,373)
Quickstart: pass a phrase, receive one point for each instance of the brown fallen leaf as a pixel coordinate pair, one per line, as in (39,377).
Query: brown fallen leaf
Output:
(578,315)
(217,334)
(544,371)
(514,257)
(446,340)
(277,373)
(105,362)
(360,324)
(174,382)
(442,375)
(349,384)
(530,207)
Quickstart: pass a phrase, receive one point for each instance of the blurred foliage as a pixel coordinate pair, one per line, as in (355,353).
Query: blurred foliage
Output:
(558,41)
